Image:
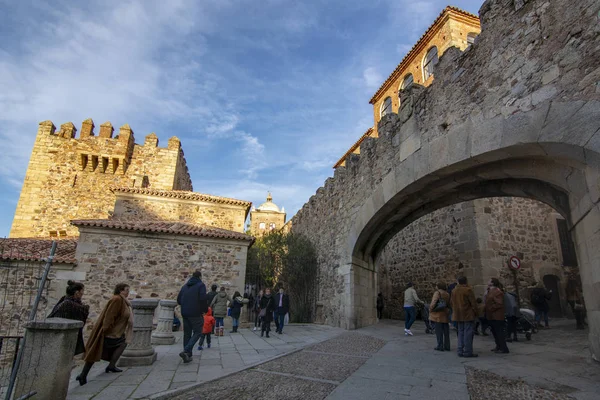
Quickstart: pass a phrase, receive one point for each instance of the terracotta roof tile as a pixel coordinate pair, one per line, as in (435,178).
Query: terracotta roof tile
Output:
(175,228)
(37,249)
(416,47)
(182,194)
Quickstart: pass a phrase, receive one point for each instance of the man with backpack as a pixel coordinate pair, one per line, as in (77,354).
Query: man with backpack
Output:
(539,299)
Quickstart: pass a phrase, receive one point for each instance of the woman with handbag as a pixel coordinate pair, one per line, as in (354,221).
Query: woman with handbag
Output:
(267,307)
(438,313)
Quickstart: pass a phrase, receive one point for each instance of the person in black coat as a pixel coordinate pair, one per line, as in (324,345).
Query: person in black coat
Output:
(71,307)
(282,307)
(379,305)
(267,307)
(193,301)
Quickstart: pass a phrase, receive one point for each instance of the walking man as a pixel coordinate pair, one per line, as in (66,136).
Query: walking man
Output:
(283,307)
(464,313)
(193,302)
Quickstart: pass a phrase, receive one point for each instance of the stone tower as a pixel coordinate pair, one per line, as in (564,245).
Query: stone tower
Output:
(70,178)
(266,218)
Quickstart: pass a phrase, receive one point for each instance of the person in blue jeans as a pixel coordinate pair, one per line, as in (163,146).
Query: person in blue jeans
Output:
(194,304)
(282,307)
(411,300)
(464,308)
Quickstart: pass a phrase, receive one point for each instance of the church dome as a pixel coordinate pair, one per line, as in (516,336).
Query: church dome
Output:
(268,205)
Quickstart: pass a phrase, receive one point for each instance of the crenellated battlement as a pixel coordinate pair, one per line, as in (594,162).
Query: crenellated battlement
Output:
(103,153)
(69,176)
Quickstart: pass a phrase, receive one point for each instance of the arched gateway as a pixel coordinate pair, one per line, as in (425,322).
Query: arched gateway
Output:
(518,115)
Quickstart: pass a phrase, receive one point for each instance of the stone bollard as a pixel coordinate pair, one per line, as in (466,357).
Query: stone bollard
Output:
(164,330)
(47,357)
(140,350)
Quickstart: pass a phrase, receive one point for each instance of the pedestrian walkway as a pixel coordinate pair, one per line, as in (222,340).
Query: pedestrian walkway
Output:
(379,362)
(228,354)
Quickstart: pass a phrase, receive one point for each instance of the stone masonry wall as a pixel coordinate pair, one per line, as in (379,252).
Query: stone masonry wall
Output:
(138,207)
(446,243)
(70,178)
(528,55)
(155,265)
(436,247)
(266,217)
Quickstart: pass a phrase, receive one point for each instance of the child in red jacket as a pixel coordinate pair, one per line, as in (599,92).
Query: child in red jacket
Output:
(209,324)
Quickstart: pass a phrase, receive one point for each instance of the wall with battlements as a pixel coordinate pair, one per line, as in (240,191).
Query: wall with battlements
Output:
(70,178)
(533,61)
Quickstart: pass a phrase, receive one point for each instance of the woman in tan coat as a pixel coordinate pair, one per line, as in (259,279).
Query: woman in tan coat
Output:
(111,333)
(440,317)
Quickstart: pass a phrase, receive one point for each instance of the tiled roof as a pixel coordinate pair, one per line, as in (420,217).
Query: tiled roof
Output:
(417,47)
(182,194)
(175,228)
(354,146)
(37,249)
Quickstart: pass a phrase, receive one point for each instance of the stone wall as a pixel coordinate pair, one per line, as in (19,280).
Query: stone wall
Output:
(451,241)
(436,247)
(190,207)
(154,264)
(257,217)
(70,178)
(525,80)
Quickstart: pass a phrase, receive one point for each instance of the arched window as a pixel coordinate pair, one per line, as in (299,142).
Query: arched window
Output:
(261,225)
(386,107)
(471,38)
(272,226)
(407,82)
(431,59)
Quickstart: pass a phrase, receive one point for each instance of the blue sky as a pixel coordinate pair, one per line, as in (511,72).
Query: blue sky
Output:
(264,95)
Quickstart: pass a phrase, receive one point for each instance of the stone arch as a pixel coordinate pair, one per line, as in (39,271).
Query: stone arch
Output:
(519,156)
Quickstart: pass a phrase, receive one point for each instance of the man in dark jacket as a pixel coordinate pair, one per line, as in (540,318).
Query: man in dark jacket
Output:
(539,299)
(282,306)
(193,301)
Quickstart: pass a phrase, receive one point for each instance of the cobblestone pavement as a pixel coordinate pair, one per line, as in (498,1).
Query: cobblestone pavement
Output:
(229,353)
(379,362)
(483,384)
(309,374)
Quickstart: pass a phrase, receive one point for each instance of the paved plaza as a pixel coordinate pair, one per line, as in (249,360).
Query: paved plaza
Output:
(229,353)
(377,362)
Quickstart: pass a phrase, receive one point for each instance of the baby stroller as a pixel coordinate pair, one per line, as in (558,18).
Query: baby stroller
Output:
(526,323)
(429,326)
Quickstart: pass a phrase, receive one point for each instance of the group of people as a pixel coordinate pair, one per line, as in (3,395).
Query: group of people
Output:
(269,308)
(498,310)
(457,304)
(202,313)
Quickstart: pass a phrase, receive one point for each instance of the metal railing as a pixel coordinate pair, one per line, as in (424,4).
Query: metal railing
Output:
(23,280)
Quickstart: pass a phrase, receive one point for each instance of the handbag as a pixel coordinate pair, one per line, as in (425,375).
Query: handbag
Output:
(441,304)
(262,313)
